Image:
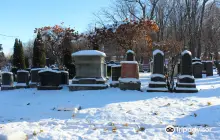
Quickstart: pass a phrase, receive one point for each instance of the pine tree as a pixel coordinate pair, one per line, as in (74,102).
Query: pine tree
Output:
(39,54)
(15,55)
(21,58)
(27,62)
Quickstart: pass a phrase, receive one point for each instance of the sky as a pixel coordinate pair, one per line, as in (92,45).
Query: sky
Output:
(19,18)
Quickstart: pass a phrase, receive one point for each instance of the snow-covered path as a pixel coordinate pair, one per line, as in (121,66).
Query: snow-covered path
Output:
(110,114)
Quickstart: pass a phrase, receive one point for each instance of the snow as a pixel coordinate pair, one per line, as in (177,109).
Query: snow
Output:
(89,85)
(89,53)
(21,84)
(130,51)
(157,51)
(49,70)
(185,76)
(197,63)
(152,82)
(23,71)
(6,72)
(157,75)
(34,113)
(128,80)
(116,66)
(37,69)
(7,85)
(64,72)
(129,62)
(186,52)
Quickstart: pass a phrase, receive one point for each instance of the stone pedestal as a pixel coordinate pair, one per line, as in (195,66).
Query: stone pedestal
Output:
(22,79)
(129,76)
(186,82)
(49,80)
(89,71)
(197,69)
(116,74)
(158,81)
(209,68)
(7,81)
(35,77)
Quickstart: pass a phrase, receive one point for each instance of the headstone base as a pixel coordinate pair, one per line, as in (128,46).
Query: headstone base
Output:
(114,84)
(49,87)
(186,84)
(129,84)
(21,85)
(157,83)
(76,87)
(33,85)
(6,87)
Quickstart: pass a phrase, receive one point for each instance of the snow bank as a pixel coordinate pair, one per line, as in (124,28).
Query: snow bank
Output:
(89,53)
(37,69)
(157,51)
(129,62)
(116,66)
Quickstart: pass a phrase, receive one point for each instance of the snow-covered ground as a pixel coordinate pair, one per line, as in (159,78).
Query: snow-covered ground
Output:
(110,114)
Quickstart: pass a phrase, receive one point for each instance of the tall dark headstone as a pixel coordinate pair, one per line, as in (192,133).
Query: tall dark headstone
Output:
(130,55)
(35,77)
(204,67)
(158,80)
(209,68)
(185,81)
(49,80)
(7,81)
(64,77)
(22,79)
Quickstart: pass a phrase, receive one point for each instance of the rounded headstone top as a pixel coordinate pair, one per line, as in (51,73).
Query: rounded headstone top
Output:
(157,51)
(186,52)
(49,70)
(130,51)
(89,53)
(6,72)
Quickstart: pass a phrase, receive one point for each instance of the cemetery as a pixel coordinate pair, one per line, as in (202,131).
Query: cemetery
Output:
(134,70)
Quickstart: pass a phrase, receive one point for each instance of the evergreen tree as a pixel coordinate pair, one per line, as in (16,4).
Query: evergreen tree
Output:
(27,62)
(67,50)
(21,57)
(15,55)
(39,54)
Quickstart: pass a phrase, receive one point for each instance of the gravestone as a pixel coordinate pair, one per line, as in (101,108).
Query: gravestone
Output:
(35,77)
(116,74)
(22,79)
(196,60)
(7,81)
(185,81)
(141,67)
(209,68)
(64,77)
(197,69)
(130,55)
(129,79)
(49,80)
(158,81)
(204,67)
(89,71)
(151,66)
(105,70)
